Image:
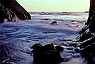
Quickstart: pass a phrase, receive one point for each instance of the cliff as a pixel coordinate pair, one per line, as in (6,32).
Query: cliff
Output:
(11,8)
(87,36)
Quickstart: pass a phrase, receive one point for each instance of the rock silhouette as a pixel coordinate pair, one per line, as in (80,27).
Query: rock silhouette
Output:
(47,54)
(87,36)
(11,8)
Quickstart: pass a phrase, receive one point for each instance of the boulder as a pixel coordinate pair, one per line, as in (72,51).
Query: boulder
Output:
(47,54)
(54,23)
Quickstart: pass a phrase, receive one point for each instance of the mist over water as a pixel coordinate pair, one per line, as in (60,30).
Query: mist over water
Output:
(22,35)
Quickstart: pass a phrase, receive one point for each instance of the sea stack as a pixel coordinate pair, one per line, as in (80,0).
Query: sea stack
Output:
(87,35)
(11,8)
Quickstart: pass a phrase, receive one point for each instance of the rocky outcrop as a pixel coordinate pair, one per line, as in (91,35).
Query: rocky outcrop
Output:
(10,9)
(87,35)
(47,54)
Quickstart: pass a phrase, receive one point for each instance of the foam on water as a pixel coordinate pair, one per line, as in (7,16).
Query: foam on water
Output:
(26,33)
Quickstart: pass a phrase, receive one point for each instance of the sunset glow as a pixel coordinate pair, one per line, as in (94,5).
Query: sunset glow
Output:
(55,5)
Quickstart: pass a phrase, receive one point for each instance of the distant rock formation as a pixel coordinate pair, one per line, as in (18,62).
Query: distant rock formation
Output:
(86,11)
(87,35)
(10,9)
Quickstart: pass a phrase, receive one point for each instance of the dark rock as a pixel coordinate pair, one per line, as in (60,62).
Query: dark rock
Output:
(52,46)
(11,8)
(84,36)
(47,54)
(59,48)
(89,50)
(54,23)
(45,19)
(87,36)
(37,48)
(92,26)
(91,12)
(87,42)
(83,29)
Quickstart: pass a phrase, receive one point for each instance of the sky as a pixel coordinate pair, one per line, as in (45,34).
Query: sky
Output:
(55,5)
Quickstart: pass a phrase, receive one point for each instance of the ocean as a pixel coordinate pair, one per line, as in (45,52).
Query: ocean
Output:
(61,28)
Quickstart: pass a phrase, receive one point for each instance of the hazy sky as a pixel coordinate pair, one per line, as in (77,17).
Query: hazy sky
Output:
(55,5)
